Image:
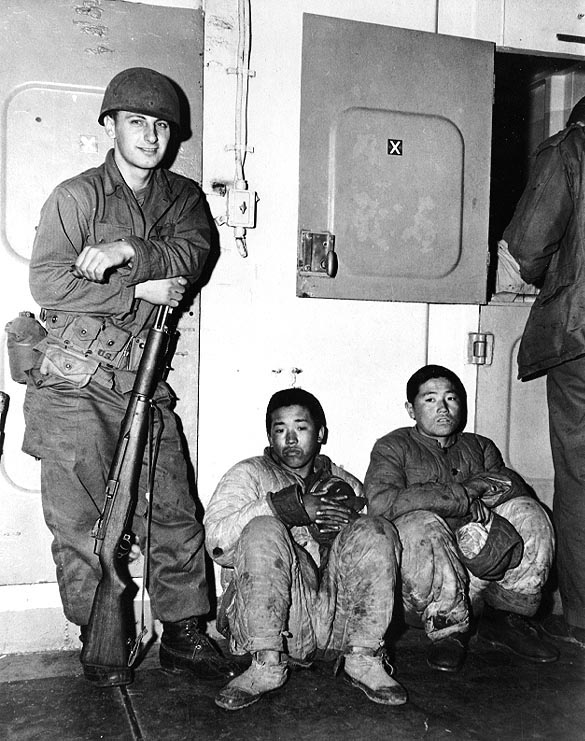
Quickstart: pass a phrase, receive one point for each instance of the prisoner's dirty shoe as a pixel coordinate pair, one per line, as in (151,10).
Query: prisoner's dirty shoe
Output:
(517,634)
(101,675)
(249,687)
(557,627)
(448,654)
(368,674)
(185,648)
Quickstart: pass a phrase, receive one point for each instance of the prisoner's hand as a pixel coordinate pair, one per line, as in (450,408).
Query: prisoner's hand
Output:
(163,292)
(329,515)
(476,486)
(336,490)
(499,491)
(96,259)
(480,512)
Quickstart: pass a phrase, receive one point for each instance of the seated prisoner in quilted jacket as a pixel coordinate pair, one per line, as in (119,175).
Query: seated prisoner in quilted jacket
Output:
(475,540)
(307,574)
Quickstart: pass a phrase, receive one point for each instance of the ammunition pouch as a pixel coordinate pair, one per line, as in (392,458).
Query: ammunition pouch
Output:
(77,345)
(67,363)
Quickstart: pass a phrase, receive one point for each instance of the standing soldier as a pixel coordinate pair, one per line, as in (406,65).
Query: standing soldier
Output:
(113,244)
(546,237)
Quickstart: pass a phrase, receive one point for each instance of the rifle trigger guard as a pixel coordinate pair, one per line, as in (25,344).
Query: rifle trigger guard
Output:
(125,545)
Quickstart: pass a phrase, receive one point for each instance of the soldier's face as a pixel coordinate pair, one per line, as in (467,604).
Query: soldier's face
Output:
(141,141)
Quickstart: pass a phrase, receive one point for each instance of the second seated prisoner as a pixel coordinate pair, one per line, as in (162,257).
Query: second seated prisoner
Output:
(474,538)
(307,572)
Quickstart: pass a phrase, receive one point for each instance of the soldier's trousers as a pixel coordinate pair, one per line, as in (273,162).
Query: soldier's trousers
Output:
(566,406)
(74,432)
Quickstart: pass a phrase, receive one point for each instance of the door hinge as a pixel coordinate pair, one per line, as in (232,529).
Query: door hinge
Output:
(317,253)
(480,348)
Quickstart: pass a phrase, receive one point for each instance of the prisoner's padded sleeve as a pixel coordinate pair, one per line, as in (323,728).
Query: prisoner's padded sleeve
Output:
(287,505)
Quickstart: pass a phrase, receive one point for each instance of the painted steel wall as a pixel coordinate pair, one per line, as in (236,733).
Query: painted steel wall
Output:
(355,356)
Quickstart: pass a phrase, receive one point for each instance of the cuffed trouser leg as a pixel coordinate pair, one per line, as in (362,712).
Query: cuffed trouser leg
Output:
(275,584)
(434,581)
(356,597)
(520,589)
(566,405)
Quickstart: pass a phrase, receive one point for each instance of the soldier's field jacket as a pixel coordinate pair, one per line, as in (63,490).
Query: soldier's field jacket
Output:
(89,323)
(547,238)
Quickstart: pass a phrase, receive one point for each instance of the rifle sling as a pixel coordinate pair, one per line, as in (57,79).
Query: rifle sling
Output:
(153,450)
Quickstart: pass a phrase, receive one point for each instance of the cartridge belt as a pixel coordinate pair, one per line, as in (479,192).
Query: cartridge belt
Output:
(95,339)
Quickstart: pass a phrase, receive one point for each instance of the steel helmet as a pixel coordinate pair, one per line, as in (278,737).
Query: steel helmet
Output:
(141,90)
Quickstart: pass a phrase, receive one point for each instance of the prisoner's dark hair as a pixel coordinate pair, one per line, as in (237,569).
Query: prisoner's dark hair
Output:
(425,374)
(293,397)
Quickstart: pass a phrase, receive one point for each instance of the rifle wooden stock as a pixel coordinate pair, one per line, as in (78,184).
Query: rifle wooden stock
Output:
(106,646)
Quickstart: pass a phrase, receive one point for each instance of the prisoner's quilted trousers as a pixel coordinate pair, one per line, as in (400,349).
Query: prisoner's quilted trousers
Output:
(283,604)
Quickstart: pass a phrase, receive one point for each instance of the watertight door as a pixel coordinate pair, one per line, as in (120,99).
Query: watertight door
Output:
(511,412)
(394,163)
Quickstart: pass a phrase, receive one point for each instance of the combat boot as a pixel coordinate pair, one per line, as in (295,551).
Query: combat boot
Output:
(516,633)
(185,648)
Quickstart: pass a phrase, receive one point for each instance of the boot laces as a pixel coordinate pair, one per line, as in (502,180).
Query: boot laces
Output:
(196,638)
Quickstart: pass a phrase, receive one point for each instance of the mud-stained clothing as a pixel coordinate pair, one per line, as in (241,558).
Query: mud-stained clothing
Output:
(418,485)
(77,395)
(285,593)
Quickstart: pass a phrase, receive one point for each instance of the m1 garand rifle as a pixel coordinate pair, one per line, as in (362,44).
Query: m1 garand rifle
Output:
(107,652)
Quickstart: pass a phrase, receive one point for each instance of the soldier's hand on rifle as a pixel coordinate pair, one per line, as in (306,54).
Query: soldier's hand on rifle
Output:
(96,259)
(163,292)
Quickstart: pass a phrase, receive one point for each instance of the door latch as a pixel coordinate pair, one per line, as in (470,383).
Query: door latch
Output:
(317,254)
(480,348)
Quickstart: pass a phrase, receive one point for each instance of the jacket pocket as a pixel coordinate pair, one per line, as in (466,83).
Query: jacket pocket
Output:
(160,231)
(108,232)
